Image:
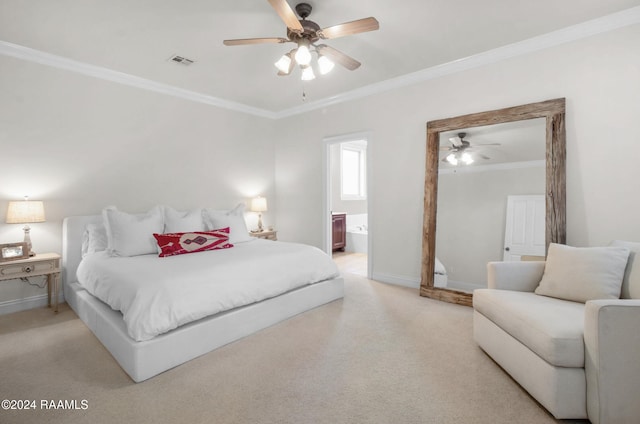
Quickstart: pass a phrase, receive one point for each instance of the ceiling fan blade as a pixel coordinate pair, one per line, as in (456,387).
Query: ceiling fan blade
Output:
(349,28)
(245,41)
(338,57)
(287,15)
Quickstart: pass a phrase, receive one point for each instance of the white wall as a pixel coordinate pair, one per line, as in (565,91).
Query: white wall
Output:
(599,78)
(80,144)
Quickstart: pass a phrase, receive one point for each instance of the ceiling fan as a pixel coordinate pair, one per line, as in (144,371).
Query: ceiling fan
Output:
(460,149)
(306,34)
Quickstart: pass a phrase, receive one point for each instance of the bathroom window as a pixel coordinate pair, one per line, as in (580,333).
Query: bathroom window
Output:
(353,159)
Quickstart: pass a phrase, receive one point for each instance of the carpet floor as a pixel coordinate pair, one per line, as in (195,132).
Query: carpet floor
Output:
(383,354)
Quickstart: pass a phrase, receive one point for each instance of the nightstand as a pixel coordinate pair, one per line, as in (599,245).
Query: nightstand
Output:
(47,264)
(267,235)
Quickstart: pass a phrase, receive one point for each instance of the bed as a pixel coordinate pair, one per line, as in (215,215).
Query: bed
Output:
(142,360)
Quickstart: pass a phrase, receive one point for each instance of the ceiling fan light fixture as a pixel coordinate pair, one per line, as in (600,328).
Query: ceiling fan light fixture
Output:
(304,33)
(466,158)
(325,64)
(452,159)
(307,73)
(303,55)
(283,63)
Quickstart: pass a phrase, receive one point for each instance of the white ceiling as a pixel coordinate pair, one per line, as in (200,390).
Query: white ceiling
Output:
(137,37)
(513,142)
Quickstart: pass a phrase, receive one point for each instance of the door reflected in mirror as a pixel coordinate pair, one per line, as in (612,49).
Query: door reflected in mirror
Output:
(480,170)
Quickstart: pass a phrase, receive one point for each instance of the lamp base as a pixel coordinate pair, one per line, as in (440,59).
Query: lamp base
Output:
(260,228)
(27,240)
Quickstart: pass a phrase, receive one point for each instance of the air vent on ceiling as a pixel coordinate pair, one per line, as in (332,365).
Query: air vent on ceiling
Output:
(181,60)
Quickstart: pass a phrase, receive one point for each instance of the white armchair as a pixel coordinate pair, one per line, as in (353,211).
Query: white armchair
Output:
(579,360)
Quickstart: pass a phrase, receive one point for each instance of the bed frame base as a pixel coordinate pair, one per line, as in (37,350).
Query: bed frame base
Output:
(143,360)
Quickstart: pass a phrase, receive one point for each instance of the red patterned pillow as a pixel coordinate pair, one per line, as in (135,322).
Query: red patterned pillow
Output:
(172,244)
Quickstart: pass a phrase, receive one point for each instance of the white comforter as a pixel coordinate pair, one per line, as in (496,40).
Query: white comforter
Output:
(156,295)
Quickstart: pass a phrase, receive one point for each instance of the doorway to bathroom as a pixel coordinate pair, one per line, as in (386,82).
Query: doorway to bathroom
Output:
(346,202)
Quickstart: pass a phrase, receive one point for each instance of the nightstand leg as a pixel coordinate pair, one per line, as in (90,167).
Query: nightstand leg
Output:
(49,282)
(56,290)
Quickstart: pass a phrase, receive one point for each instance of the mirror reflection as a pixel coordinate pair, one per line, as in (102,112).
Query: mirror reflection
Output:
(491,207)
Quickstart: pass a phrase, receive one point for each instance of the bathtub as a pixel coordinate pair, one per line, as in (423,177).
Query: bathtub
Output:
(357,235)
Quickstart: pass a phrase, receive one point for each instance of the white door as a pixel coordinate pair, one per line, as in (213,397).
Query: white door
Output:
(525,227)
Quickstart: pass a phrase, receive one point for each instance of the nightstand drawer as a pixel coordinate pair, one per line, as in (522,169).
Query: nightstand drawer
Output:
(19,270)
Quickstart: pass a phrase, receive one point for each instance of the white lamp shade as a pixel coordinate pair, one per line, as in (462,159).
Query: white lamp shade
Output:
(259,204)
(325,65)
(303,55)
(283,63)
(25,211)
(307,74)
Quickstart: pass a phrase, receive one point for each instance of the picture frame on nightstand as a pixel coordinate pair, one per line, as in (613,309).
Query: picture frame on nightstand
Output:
(13,251)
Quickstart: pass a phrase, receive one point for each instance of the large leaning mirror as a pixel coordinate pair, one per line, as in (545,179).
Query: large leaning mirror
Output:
(484,172)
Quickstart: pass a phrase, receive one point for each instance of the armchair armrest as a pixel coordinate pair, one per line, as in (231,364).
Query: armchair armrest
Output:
(612,343)
(517,276)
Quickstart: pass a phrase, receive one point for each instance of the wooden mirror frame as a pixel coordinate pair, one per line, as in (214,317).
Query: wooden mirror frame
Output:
(555,199)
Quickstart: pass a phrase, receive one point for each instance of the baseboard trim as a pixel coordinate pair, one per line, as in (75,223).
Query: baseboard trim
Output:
(32,302)
(398,280)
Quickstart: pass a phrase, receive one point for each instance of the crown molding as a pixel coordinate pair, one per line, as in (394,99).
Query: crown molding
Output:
(43,58)
(555,38)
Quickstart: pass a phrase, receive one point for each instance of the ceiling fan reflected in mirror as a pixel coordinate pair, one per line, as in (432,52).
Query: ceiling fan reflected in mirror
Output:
(306,34)
(462,151)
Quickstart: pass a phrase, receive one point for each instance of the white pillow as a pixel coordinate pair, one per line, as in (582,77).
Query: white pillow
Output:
(132,235)
(234,219)
(182,222)
(583,273)
(631,280)
(94,239)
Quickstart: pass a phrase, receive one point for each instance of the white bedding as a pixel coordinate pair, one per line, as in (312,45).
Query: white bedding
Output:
(156,295)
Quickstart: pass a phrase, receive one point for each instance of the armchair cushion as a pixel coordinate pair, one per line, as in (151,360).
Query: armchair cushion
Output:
(583,273)
(551,328)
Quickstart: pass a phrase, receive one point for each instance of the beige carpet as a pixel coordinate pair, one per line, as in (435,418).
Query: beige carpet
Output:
(381,355)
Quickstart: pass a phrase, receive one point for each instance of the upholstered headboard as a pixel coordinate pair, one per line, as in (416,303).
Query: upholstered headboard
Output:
(72,231)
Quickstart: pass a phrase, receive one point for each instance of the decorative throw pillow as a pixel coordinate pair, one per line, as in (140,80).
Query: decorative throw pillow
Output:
(94,239)
(132,235)
(631,280)
(234,219)
(179,221)
(197,241)
(583,273)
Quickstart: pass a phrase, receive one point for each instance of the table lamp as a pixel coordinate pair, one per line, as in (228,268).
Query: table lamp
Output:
(259,204)
(25,212)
